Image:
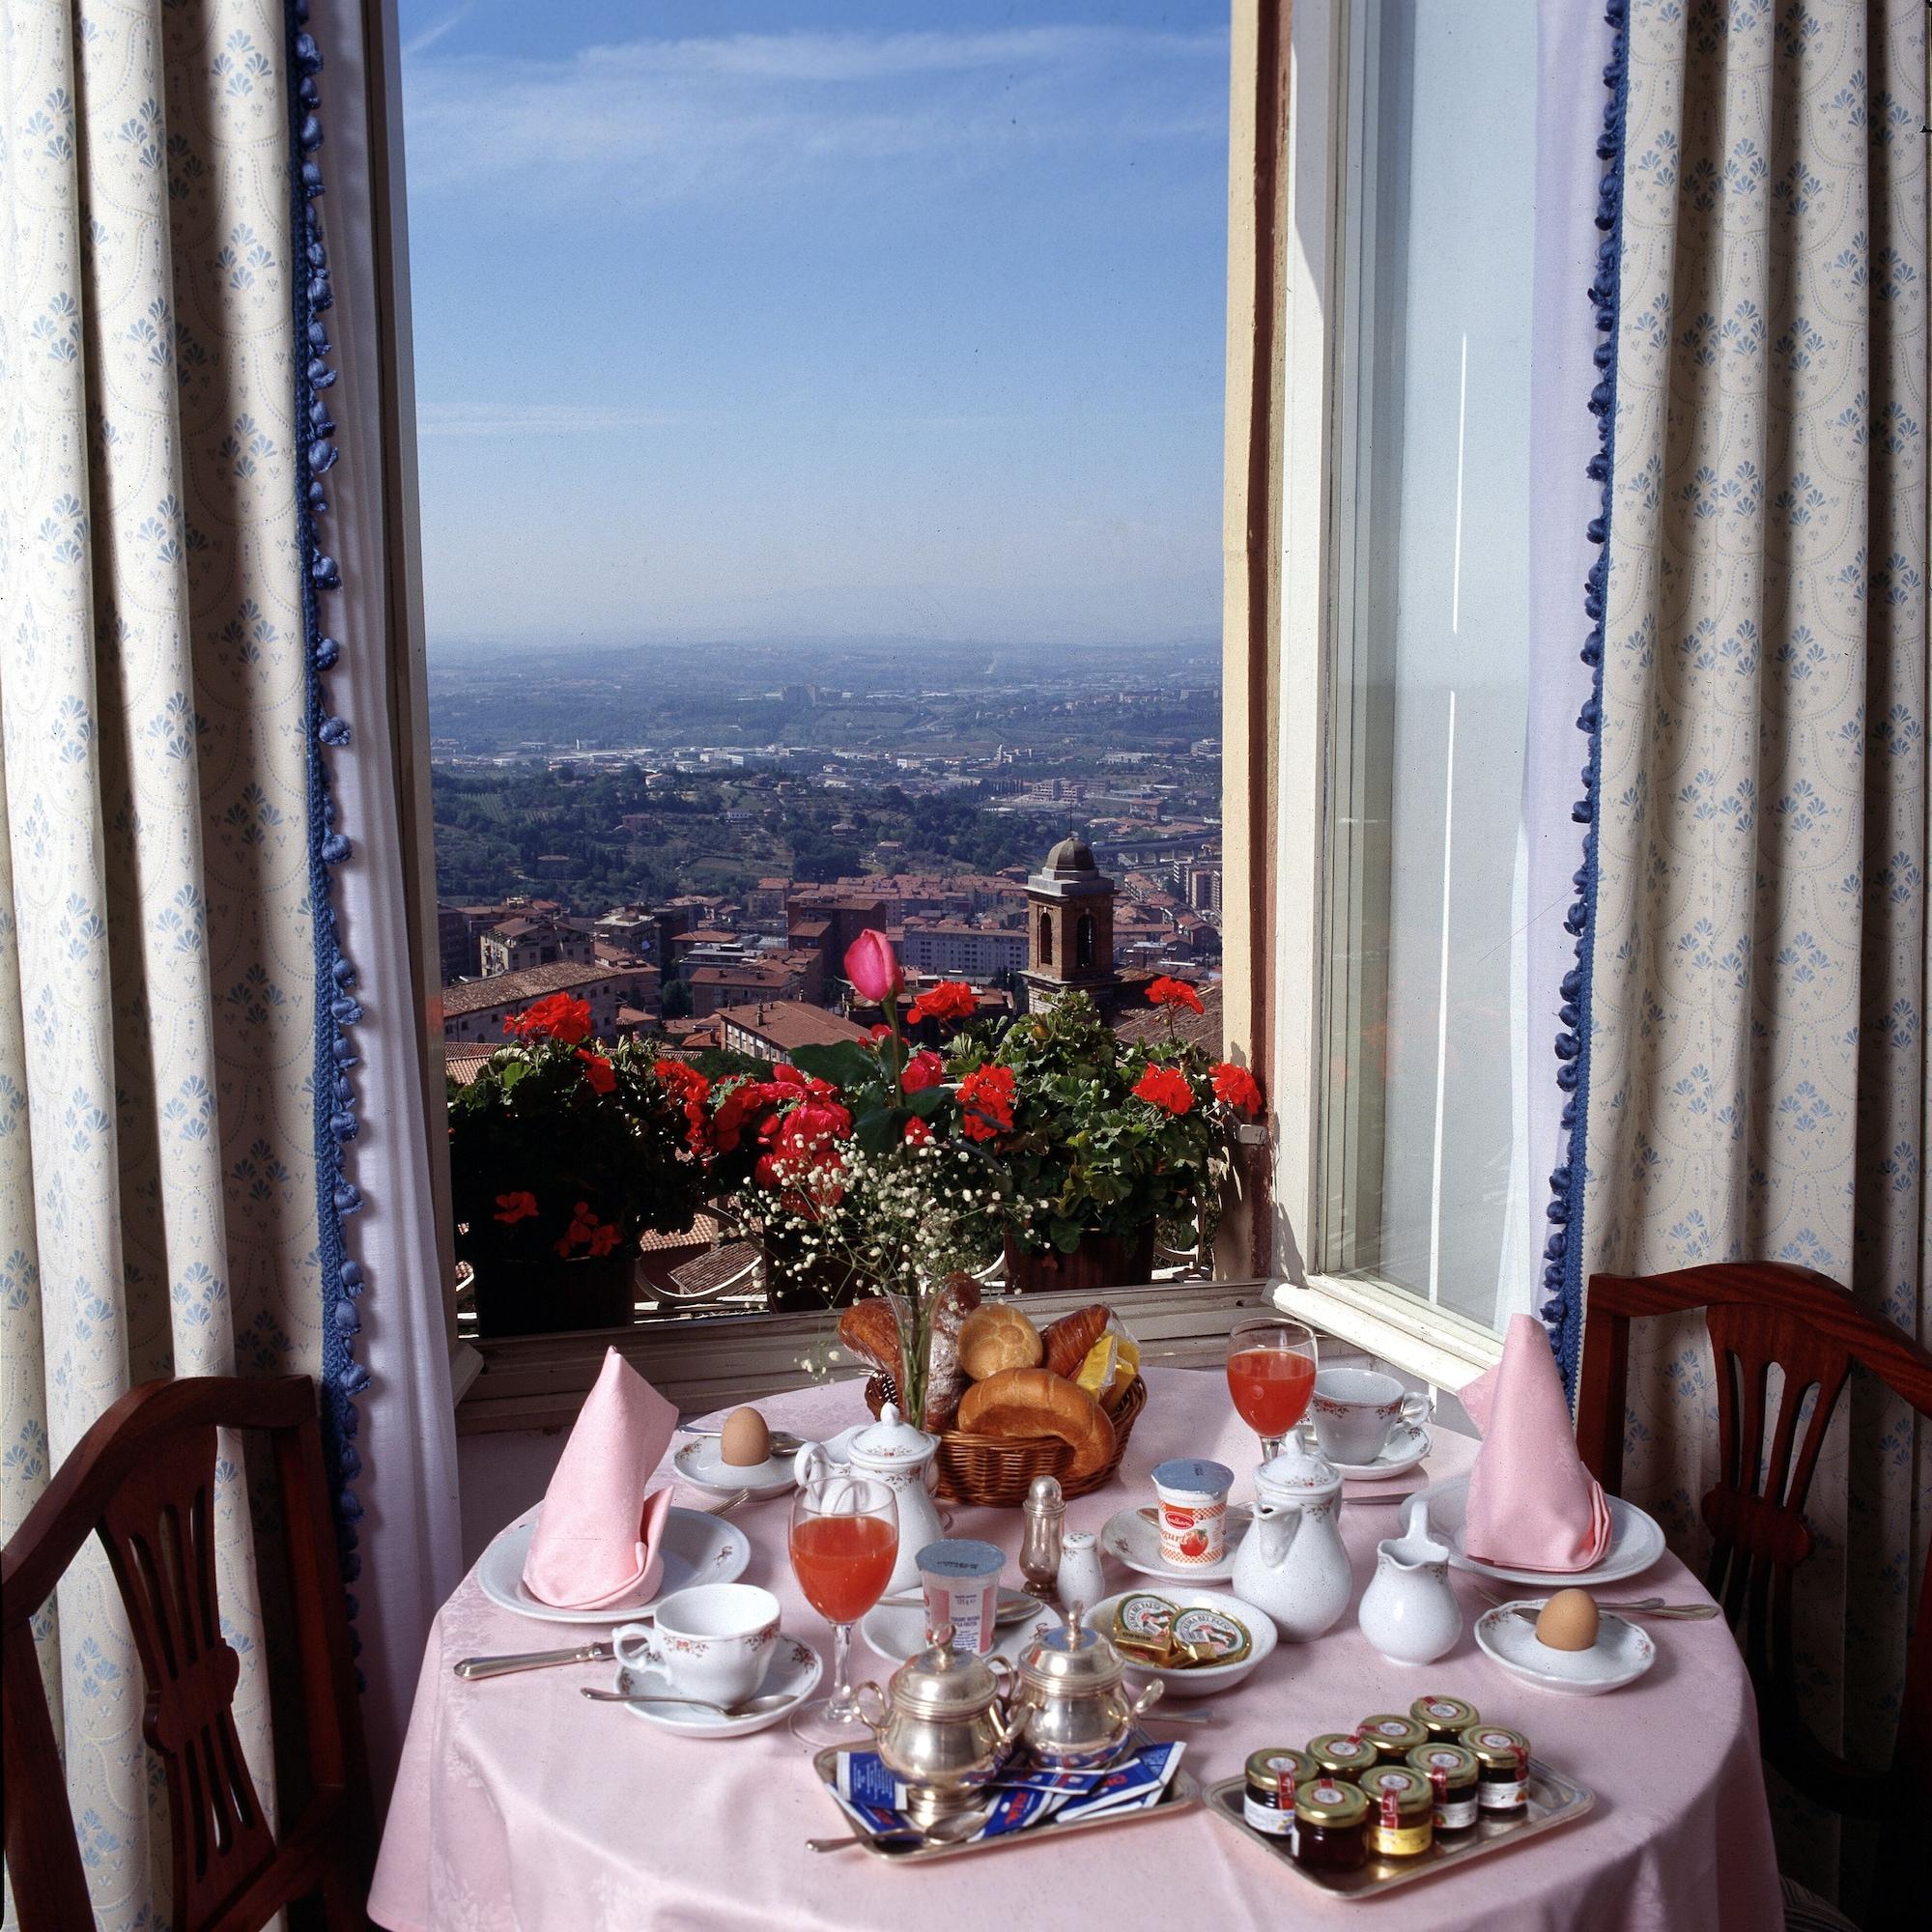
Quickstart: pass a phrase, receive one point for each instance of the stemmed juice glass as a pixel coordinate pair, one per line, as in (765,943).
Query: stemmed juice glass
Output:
(845,1539)
(1272,1377)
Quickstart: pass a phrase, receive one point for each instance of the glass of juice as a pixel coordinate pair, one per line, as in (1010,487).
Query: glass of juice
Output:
(1271,1376)
(845,1539)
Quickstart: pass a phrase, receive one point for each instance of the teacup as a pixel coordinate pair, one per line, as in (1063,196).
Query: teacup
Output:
(713,1642)
(1355,1411)
(1191,1497)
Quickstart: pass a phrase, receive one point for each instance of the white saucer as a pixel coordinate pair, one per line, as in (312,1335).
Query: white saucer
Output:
(794,1670)
(1407,1445)
(697,1549)
(700,1464)
(1129,1538)
(897,1634)
(1205,1679)
(1621,1654)
(1635,1542)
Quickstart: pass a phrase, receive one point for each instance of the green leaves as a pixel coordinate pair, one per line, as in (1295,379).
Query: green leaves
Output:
(845,1063)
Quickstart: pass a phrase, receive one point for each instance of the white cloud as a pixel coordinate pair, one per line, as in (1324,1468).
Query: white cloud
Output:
(657,120)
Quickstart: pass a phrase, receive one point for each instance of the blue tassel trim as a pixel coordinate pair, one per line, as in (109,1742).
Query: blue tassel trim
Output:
(1562,1307)
(343,1377)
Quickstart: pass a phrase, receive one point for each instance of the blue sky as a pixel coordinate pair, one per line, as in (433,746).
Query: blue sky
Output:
(819,320)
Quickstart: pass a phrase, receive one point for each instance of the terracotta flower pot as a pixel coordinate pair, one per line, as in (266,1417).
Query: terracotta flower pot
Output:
(1100,1262)
(556,1298)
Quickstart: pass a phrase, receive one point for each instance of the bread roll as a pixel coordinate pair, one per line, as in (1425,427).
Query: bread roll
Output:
(868,1330)
(1069,1339)
(995,1338)
(1034,1402)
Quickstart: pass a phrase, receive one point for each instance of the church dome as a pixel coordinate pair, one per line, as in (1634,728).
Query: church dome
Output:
(1070,855)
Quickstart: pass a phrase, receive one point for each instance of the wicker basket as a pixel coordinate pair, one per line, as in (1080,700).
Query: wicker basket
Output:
(997,1470)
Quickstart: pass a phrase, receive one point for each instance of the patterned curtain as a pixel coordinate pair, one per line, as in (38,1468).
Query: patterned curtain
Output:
(157,1023)
(1752,969)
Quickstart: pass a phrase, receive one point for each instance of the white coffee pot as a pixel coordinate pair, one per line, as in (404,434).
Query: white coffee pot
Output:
(1408,1611)
(901,1456)
(1292,1563)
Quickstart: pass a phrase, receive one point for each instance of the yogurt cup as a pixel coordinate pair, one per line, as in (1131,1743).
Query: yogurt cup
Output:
(961,1580)
(1191,1497)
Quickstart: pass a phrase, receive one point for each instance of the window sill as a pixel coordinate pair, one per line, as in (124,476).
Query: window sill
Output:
(1444,1350)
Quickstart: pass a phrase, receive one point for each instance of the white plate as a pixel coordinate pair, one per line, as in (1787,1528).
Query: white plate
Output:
(697,1549)
(1129,1538)
(1635,1542)
(898,1633)
(1621,1654)
(1407,1445)
(1204,1680)
(699,1464)
(793,1671)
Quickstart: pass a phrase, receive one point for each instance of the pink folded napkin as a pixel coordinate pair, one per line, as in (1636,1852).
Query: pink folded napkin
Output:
(1532,1504)
(596,1541)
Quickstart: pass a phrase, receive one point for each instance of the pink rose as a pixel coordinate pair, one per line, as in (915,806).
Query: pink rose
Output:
(924,1069)
(872,967)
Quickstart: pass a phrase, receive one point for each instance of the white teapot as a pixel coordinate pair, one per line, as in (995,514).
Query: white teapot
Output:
(1408,1611)
(1292,1563)
(901,1456)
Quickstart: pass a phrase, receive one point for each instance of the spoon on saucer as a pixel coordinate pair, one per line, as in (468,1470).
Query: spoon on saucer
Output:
(756,1707)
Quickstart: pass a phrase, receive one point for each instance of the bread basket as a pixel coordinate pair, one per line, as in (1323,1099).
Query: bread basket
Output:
(997,1470)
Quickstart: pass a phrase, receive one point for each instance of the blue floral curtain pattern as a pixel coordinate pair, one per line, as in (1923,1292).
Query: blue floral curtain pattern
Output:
(156,1014)
(1754,1075)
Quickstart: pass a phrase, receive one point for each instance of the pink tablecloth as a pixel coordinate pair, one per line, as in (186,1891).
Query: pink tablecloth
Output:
(522,1806)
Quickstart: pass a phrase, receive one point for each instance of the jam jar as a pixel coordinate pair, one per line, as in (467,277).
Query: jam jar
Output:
(1503,1758)
(1329,1819)
(1452,1772)
(1341,1753)
(1393,1736)
(1274,1776)
(1401,1811)
(1444,1718)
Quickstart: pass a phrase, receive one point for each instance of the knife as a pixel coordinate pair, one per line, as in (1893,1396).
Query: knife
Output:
(475,1667)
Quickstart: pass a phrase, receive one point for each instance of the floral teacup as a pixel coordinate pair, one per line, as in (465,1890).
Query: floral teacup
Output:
(1355,1411)
(713,1642)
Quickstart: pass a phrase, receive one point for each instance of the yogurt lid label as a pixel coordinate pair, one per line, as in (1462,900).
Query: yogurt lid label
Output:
(957,1556)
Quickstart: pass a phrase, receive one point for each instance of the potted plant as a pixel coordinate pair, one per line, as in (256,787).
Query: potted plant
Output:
(1112,1138)
(562,1153)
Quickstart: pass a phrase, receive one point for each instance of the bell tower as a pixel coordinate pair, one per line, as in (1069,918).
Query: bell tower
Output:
(1069,927)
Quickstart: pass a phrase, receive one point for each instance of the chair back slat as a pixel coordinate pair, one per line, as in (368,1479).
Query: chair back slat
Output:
(1762,1316)
(143,1479)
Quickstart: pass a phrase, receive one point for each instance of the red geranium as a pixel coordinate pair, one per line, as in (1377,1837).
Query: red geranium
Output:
(924,1069)
(596,1237)
(556,1016)
(1169,992)
(692,1091)
(950,1000)
(1236,1087)
(917,1132)
(598,1070)
(986,1098)
(1162,1086)
(805,1136)
(514,1207)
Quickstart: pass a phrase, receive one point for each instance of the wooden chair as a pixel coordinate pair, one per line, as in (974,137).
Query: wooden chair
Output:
(1760,1313)
(143,1477)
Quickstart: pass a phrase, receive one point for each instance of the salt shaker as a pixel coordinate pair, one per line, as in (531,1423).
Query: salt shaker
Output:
(1082,1584)
(1039,1548)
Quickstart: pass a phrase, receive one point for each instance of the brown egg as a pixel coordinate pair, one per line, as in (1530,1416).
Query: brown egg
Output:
(1568,1621)
(744,1441)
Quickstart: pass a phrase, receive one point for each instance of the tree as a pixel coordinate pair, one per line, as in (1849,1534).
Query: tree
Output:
(675,1001)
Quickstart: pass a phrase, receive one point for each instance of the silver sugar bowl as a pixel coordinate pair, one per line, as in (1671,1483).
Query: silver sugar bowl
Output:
(941,1726)
(1070,1699)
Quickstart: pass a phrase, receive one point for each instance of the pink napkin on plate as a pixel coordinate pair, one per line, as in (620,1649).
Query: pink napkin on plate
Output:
(1532,1504)
(596,1541)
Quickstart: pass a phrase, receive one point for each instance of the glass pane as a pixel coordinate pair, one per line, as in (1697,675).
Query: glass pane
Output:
(1431,687)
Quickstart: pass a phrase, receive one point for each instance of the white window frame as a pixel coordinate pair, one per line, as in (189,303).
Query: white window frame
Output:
(1321,283)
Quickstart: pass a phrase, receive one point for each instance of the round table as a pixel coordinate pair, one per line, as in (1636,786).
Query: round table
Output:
(520,1804)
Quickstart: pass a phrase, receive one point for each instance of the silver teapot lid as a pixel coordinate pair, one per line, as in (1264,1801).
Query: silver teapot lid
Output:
(1071,1660)
(941,1681)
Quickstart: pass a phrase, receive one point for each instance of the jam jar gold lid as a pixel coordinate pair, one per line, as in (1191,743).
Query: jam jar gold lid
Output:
(1266,1767)
(1455,1764)
(1073,1660)
(1330,1803)
(1443,1717)
(1341,1753)
(1411,1791)
(1495,1746)
(1393,1736)
(941,1681)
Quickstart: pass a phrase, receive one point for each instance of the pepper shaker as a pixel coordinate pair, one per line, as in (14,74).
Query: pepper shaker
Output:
(1039,1548)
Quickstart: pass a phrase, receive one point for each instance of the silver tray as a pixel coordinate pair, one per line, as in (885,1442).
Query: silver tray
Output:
(1554,1799)
(1183,1794)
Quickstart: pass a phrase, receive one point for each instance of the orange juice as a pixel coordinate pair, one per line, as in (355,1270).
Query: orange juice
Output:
(844,1562)
(1270,1388)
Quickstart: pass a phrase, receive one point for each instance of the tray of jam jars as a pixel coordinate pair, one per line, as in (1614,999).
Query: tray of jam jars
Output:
(1398,1799)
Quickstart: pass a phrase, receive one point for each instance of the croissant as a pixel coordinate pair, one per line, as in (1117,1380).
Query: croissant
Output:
(1069,1339)
(868,1330)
